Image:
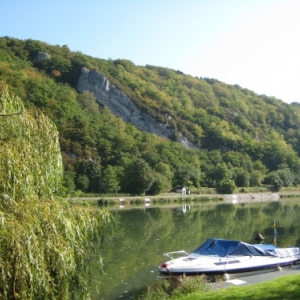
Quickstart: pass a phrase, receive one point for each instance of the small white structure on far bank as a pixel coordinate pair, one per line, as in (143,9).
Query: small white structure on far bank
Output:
(181,190)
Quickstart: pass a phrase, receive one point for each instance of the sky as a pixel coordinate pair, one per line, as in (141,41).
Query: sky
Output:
(252,43)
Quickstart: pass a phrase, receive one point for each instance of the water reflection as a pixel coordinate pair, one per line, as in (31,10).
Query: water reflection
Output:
(184,208)
(144,234)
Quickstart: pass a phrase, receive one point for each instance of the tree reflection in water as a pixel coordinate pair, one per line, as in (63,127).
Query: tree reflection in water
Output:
(143,235)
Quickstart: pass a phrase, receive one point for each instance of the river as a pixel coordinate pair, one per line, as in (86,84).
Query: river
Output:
(144,233)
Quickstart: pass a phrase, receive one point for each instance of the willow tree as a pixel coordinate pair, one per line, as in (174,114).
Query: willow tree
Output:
(44,242)
(31,163)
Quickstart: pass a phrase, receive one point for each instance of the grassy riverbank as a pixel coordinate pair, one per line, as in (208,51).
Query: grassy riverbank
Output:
(284,287)
(205,195)
(104,200)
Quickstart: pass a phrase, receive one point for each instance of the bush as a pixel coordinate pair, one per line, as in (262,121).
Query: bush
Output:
(174,287)
(226,187)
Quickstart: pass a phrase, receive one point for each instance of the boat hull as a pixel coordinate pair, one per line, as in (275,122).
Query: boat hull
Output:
(242,271)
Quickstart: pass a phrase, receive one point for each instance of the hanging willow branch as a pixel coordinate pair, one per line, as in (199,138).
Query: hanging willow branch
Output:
(12,114)
(44,245)
(30,161)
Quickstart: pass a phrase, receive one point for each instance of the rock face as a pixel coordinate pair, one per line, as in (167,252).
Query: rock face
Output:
(42,56)
(121,106)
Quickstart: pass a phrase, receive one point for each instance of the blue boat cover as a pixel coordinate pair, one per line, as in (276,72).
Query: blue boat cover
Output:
(224,248)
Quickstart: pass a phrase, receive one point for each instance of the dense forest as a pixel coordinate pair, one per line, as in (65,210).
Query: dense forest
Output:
(241,139)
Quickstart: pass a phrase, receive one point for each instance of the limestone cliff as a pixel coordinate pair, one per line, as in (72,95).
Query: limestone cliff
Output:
(120,105)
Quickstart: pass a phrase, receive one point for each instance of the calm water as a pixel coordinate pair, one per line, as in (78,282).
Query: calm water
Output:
(144,234)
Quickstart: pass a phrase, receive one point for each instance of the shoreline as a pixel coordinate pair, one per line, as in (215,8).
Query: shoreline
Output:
(176,198)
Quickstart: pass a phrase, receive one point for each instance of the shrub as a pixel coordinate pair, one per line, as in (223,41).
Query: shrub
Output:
(174,287)
(226,187)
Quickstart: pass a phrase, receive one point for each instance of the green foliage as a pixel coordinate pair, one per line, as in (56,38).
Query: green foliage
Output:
(157,186)
(109,181)
(82,183)
(280,178)
(89,175)
(226,187)
(44,242)
(88,102)
(256,178)
(31,163)
(218,173)
(241,177)
(174,287)
(230,125)
(138,177)
(44,249)
(68,182)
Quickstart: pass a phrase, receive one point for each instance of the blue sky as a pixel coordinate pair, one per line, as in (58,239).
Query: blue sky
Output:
(252,43)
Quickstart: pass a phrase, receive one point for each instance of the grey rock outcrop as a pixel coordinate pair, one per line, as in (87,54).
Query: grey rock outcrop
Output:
(120,105)
(42,56)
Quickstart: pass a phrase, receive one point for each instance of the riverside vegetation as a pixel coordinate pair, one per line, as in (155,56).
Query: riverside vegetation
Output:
(186,288)
(44,242)
(240,139)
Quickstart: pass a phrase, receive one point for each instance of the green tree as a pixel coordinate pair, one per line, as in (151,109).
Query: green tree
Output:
(274,179)
(256,178)
(186,175)
(164,169)
(241,177)
(88,102)
(160,184)
(162,179)
(259,166)
(138,177)
(68,182)
(280,178)
(109,181)
(91,169)
(226,186)
(157,185)
(83,183)
(218,173)
(28,140)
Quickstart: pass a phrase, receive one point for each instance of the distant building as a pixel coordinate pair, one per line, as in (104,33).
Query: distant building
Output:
(181,190)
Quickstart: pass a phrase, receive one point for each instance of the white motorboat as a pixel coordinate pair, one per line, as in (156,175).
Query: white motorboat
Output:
(225,257)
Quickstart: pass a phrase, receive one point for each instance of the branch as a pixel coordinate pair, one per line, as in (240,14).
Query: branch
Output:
(12,114)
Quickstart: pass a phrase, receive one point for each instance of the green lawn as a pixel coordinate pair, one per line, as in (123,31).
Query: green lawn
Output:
(284,287)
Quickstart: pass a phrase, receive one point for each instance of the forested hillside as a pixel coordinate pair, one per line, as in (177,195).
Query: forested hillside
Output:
(239,136)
